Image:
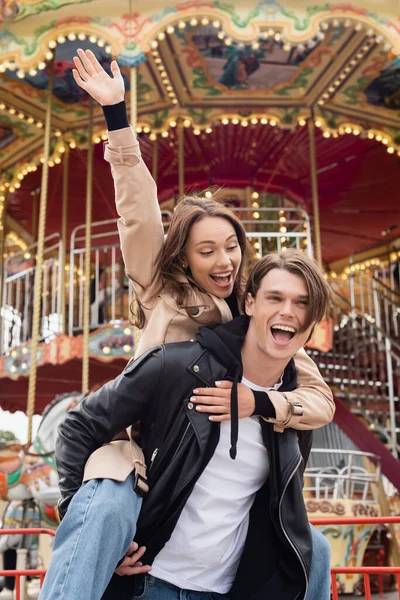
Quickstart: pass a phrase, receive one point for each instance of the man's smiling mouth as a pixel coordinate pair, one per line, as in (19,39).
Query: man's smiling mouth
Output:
(283,334)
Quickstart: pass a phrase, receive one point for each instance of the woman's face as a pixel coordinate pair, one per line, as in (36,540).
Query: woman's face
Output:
(213,255)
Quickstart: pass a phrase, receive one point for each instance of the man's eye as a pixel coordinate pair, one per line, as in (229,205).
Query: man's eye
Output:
(274,298)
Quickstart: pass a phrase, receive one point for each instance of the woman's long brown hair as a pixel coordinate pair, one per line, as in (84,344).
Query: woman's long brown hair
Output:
(190,210)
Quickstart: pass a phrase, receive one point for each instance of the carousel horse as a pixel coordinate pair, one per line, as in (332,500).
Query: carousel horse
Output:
(29,479)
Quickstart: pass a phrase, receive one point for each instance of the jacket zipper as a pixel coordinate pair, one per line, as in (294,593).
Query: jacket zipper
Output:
(284,531)
(153,457)
(181,441)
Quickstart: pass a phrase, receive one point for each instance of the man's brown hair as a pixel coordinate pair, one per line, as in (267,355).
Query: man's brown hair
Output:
(300,264)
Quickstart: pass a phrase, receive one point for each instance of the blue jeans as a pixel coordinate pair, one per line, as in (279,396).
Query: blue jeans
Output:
(319,584)
(156,589)
(96,532)
(94,535)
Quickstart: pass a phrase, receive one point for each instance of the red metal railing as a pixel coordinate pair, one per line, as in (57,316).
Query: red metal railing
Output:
(18,573)
(364,571)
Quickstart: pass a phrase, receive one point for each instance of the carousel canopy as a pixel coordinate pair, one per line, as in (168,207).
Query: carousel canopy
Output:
(242,80)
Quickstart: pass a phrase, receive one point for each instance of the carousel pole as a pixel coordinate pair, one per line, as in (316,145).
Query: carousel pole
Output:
(155,159)
(37,296)
(3,208)
(314,187)
(88,247)
(35,195)
(64,226)
(181,159)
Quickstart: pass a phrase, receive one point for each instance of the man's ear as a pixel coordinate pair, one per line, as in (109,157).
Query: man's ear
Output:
(249,304)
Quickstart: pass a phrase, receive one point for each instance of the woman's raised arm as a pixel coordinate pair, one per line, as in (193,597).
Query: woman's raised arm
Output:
(140,226)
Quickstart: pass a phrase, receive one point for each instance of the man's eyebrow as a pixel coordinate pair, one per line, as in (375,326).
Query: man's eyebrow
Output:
(278,293)
(214,242)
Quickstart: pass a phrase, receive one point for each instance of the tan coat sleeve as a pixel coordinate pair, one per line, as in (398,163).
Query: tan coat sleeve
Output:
(312,393)
(140,227)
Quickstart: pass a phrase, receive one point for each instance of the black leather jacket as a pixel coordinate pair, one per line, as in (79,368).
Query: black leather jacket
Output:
(178,442)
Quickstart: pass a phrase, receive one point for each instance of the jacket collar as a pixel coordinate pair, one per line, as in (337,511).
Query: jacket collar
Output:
(201,300)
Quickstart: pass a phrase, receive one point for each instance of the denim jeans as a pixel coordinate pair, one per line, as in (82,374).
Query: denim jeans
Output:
(96,532)
(94,535)
(319,584)
(156,589)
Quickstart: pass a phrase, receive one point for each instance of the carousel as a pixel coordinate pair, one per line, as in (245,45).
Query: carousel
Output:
(292,110)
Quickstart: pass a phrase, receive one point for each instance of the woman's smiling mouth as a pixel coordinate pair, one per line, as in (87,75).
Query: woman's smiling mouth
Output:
(222,280)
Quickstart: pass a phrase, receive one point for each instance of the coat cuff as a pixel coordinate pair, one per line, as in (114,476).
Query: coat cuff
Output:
(263,406)
(115,115)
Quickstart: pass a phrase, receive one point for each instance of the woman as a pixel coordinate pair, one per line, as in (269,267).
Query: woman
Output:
(194,279)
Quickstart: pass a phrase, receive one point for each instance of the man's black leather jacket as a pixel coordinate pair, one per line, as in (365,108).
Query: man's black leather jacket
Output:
(178,442)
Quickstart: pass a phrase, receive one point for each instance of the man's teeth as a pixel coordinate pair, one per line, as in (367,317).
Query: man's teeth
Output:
(284,328)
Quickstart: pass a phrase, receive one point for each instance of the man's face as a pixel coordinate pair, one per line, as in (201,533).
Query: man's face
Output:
(278,314)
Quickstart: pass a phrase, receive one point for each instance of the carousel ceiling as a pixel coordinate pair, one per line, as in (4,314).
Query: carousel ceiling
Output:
(242,81)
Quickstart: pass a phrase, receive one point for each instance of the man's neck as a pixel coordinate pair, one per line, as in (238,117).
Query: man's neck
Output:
(260,368)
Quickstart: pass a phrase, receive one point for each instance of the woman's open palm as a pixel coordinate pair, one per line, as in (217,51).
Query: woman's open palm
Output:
(91,77)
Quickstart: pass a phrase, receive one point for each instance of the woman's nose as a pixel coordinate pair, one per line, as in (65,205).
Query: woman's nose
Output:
(223,259)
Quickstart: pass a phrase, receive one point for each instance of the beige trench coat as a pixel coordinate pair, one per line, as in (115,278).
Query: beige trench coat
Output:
(142,235)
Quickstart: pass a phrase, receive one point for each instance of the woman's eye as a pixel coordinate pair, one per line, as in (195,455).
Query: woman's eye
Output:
(303,302)
(206,253)
(232,247)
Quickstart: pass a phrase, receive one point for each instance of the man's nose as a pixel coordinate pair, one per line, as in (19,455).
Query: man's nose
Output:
(287,309)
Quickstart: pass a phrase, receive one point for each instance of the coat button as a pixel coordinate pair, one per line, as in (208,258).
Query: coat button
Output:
(195,311)
(190,405)
(196,368)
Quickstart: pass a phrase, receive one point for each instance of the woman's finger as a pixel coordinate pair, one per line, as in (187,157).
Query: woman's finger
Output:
(211,392)
(80,68)
(78,79)
(225,385)
(211,400)
(115,70)
(214,409)
(95,63)
(219,418)
(86,62)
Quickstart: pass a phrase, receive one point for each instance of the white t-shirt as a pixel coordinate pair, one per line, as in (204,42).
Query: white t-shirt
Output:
(205,547)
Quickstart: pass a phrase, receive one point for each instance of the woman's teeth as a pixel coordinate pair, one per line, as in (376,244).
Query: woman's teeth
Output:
(223,278)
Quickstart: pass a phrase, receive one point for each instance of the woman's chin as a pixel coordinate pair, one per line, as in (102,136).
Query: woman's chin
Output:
(221,292)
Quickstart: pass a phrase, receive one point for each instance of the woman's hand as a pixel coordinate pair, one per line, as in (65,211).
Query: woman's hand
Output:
(91,77)
(217,401)
(131,564)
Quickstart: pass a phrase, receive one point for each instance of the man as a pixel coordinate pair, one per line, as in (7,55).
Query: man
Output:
(213,528)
